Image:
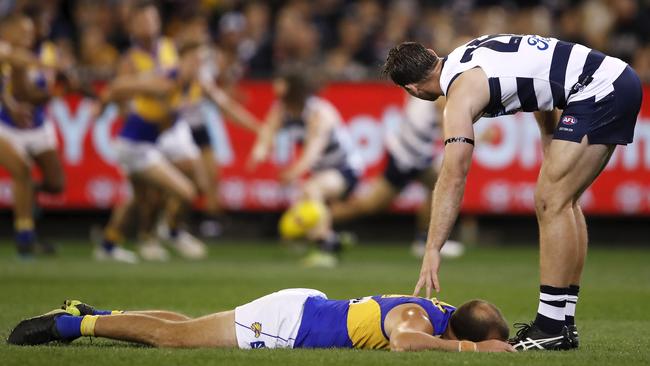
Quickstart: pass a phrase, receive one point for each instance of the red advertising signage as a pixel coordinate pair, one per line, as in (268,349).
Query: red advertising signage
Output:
(501,181)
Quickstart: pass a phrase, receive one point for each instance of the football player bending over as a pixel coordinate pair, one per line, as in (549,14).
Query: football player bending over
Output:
(327,156)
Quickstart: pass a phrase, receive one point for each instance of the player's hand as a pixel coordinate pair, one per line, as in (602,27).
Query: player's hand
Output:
(429,272)
(288,176)
(494,345)
(257,156)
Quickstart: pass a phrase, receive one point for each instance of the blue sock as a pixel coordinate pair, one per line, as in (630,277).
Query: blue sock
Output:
(173,233)
(25,237)
(68,326)
(102,312)
(108,245)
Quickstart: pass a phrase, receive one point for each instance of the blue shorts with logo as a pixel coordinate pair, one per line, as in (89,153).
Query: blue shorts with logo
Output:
(610,120)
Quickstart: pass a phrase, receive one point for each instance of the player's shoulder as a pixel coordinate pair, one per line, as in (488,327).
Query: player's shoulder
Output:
(409,315)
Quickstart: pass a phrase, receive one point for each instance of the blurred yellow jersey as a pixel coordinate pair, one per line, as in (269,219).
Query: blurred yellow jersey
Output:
(162,62)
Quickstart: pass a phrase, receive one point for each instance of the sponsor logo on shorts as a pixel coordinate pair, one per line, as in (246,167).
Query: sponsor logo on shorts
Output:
(569,120)
(259,344)
(257,329)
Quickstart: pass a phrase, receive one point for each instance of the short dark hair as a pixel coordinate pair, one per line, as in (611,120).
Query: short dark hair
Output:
(408,63)
(302,83)
(478,320)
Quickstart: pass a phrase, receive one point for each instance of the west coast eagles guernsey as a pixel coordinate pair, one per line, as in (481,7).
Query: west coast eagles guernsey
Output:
(47,54)
(143,121)
(359,323)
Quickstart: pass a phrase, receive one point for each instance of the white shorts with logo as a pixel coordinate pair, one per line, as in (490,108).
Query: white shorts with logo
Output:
(177,143)
(174,144)
(272,321)
(30,142)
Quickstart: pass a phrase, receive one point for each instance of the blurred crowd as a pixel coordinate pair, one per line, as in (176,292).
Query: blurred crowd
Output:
(348,39)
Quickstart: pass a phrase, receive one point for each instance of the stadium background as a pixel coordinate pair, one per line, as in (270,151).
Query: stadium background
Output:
(348,41)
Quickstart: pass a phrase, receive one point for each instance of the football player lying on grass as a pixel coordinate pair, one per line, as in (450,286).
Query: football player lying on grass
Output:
(292,318)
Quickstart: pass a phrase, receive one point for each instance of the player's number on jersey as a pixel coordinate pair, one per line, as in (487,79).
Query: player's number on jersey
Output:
(496,45)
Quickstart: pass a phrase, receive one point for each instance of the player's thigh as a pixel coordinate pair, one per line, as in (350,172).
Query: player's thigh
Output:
(13,160)
(167,177)
(567,170)
(51,167)
(325,185)
(428,177)
(379,195)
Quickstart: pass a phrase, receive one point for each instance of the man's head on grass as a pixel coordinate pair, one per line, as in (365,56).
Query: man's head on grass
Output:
(476,321)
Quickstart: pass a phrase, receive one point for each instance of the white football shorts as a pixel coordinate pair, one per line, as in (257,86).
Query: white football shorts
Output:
(272,321)
(173,145)
(177,143)
(30,142)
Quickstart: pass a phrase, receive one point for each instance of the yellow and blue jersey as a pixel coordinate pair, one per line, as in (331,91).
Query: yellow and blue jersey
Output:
(48,56)
(359,323)
(147,112)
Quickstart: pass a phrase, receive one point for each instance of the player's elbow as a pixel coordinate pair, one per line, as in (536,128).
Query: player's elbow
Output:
(397,344)
(401,342)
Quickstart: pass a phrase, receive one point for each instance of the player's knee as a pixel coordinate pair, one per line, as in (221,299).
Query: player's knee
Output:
(547,203)
(21,172)
(54,185)
(163,336)
(189,194)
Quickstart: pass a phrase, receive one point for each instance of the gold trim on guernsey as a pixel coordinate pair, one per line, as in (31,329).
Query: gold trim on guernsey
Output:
(364,325)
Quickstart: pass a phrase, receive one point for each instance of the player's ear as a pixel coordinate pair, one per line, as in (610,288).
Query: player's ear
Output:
(432,52)
(411,89)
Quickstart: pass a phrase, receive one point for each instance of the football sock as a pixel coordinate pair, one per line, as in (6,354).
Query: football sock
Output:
(71,327)
(25,238)
(173,232)
(25,234)
(571,301)
(111,237)
(331,244)
(550,313)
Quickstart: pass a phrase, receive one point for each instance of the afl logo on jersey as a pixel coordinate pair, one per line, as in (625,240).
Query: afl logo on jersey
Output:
(569,120)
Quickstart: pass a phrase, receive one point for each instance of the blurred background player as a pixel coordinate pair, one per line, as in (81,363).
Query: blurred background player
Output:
(333,167)
(26,136)
(156,88)
(196,50)
(412,156)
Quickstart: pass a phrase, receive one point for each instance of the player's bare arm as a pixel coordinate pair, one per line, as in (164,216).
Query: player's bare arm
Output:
(467,98)
(409,329)
(231,108)
(128,83)
(318,130)
(266,135)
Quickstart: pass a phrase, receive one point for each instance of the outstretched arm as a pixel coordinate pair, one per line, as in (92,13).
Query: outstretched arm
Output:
(318,131)
(128,83)
(266,135)
(237,113)
(467,98)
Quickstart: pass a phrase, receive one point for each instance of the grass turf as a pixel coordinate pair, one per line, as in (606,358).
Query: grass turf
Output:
(613,312)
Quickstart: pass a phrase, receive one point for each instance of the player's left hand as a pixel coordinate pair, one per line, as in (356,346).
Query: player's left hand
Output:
(288,176)
(429,272)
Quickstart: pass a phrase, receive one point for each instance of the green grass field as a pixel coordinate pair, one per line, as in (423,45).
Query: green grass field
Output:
(613,313)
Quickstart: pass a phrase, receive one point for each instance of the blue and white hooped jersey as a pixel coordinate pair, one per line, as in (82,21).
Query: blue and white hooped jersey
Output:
(413,145)
(339,152)
(533,73)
